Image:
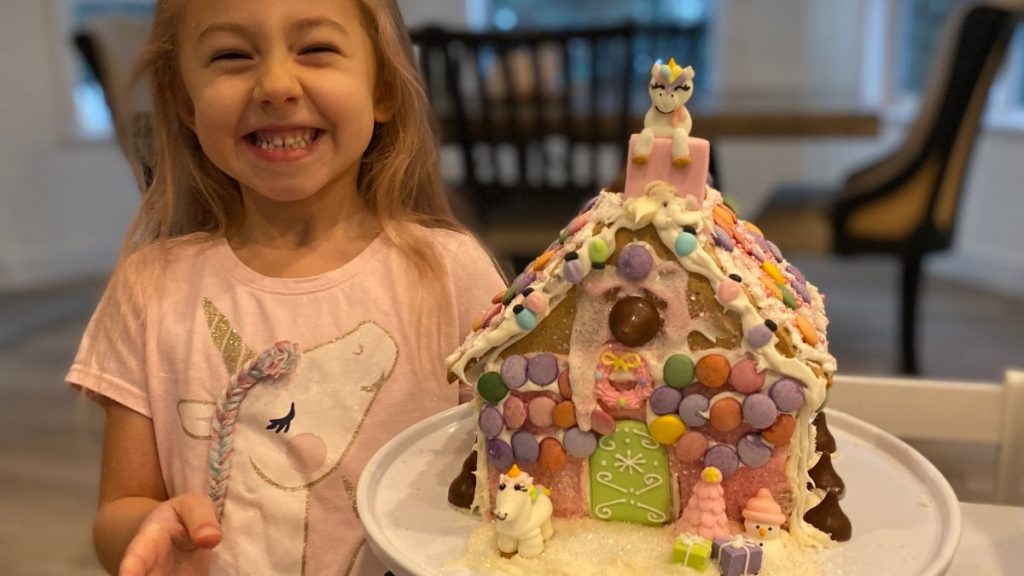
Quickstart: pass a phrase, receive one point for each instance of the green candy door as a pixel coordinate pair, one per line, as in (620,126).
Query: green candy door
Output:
(629,477)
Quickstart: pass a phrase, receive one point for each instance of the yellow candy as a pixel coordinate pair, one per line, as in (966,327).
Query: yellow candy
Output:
(667,429)
(773,271)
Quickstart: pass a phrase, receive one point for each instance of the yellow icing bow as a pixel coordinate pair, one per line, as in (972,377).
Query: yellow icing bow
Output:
(627,361)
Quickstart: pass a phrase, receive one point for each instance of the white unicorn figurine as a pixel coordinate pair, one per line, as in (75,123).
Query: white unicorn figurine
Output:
(523,513)
(670,89)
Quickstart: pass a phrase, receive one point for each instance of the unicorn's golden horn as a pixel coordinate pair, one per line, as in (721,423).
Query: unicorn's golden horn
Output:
(234,352)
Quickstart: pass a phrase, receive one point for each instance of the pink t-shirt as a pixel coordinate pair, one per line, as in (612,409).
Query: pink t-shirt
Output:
(371,364)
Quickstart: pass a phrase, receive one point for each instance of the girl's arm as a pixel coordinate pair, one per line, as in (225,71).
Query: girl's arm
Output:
(132,493)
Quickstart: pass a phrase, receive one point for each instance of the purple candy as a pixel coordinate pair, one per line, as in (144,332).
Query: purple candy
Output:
(788,395)
(490,422)
(752,451)
(665,400)
(499,454)
(759,411)
(801,289)
(723,457)
(775,250)
(578,443)
(542,369)
(635,262)
(523,281)
(762,243)
(525,447)
(757,252)
(759,336)
(723,240)
(513,371)
(796,273)
(573,271)
(690,409)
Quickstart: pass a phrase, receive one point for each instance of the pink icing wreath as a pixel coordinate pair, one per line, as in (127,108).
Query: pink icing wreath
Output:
(627,361)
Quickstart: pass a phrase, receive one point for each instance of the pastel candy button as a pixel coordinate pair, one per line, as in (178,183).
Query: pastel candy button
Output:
(779,433)
(537,302)
(525,319)
(690,409)
(691,446)
(667,429)
(713,370)
(602,422)
(752,451)
(541,411)
(788,395)
(745,378)
(564,385)
(678,371)
(723,240)
(542,369)
(665,400)
(515,412)
(728,290)
(499,454)
(513,371)
(564,415)
(491,388)
(490,422)
(597,249)
(723,457)
(635,262)
(579,444)
(525,448)
(686,243)
(523,281)
(552,455)
(726,415)
(759,336)
(572,270)
(759,411)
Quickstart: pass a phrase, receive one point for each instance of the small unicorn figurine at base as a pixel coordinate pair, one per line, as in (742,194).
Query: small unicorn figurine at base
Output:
(671,88)
(523,513)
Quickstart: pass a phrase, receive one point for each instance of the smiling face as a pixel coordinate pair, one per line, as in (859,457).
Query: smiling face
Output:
(282,93)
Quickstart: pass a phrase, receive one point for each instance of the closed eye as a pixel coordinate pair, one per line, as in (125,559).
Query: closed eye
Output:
(284,423)
(229,55)
(657,86)
(320,49)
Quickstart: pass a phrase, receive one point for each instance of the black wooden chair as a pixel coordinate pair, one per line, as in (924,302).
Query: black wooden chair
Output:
(541,119)
(906,204)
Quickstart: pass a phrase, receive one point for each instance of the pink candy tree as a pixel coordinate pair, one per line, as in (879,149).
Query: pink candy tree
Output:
(704,514)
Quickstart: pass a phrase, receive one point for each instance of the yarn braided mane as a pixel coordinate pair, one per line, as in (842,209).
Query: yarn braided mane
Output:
(279,360)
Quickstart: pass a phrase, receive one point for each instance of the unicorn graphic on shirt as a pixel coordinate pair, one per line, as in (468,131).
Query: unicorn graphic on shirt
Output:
(283,425)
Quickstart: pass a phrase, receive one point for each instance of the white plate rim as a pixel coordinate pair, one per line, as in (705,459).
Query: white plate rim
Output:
(945,499)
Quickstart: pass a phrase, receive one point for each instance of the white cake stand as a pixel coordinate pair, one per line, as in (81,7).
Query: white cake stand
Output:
(906,518)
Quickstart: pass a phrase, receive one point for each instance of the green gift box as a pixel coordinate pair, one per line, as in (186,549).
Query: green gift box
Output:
(691,551)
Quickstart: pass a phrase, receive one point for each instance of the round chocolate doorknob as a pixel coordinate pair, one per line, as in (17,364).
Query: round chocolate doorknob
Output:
(634,321)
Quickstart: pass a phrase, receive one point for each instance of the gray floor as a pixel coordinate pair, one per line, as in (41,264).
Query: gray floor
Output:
(50,437)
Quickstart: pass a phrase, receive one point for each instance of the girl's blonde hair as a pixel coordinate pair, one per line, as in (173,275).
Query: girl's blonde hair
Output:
(399,179)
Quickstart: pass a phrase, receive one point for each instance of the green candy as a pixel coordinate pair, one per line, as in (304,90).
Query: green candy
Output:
(787,298)
(509,295)
(491,388)
(598,250)
(678,371)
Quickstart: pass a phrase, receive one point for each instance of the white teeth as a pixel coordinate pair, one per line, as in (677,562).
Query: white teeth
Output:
(284,141)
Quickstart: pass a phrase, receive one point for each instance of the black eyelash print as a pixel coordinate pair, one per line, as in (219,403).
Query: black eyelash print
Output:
(282,424)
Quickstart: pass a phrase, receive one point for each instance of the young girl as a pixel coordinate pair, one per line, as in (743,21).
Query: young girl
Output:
(288,293)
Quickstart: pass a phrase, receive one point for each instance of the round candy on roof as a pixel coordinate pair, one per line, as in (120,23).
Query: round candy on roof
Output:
(678,371)
(635,262)
(513,371)
(579,444)
(691,446)
(525,447)
(745,378)
(723,457)
(491,388)
(525,319)
(499,454)
(490,422)
(759,411)
(665,400)
(728,290)
(537,302)
(752,451)
(542,369)
(713,370)
(597,249)
(541,411)
(726,415)
(686,243)
(572,270)
(667,429)
(788,394)
(552,455)
(759,336)
(691,407)
(515,412)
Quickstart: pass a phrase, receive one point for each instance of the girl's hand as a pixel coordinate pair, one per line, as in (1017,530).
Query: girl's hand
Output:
(175,539)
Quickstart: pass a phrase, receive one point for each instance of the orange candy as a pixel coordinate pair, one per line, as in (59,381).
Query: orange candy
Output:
(781,431)
(807,330)
(542,261)
(713,370)
(771,287)
(564,415)
(726,415)
(564,387)
(724,217)
(552,455)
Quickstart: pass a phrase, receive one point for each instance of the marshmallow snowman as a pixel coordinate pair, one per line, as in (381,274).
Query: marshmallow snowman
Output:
(763,519)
